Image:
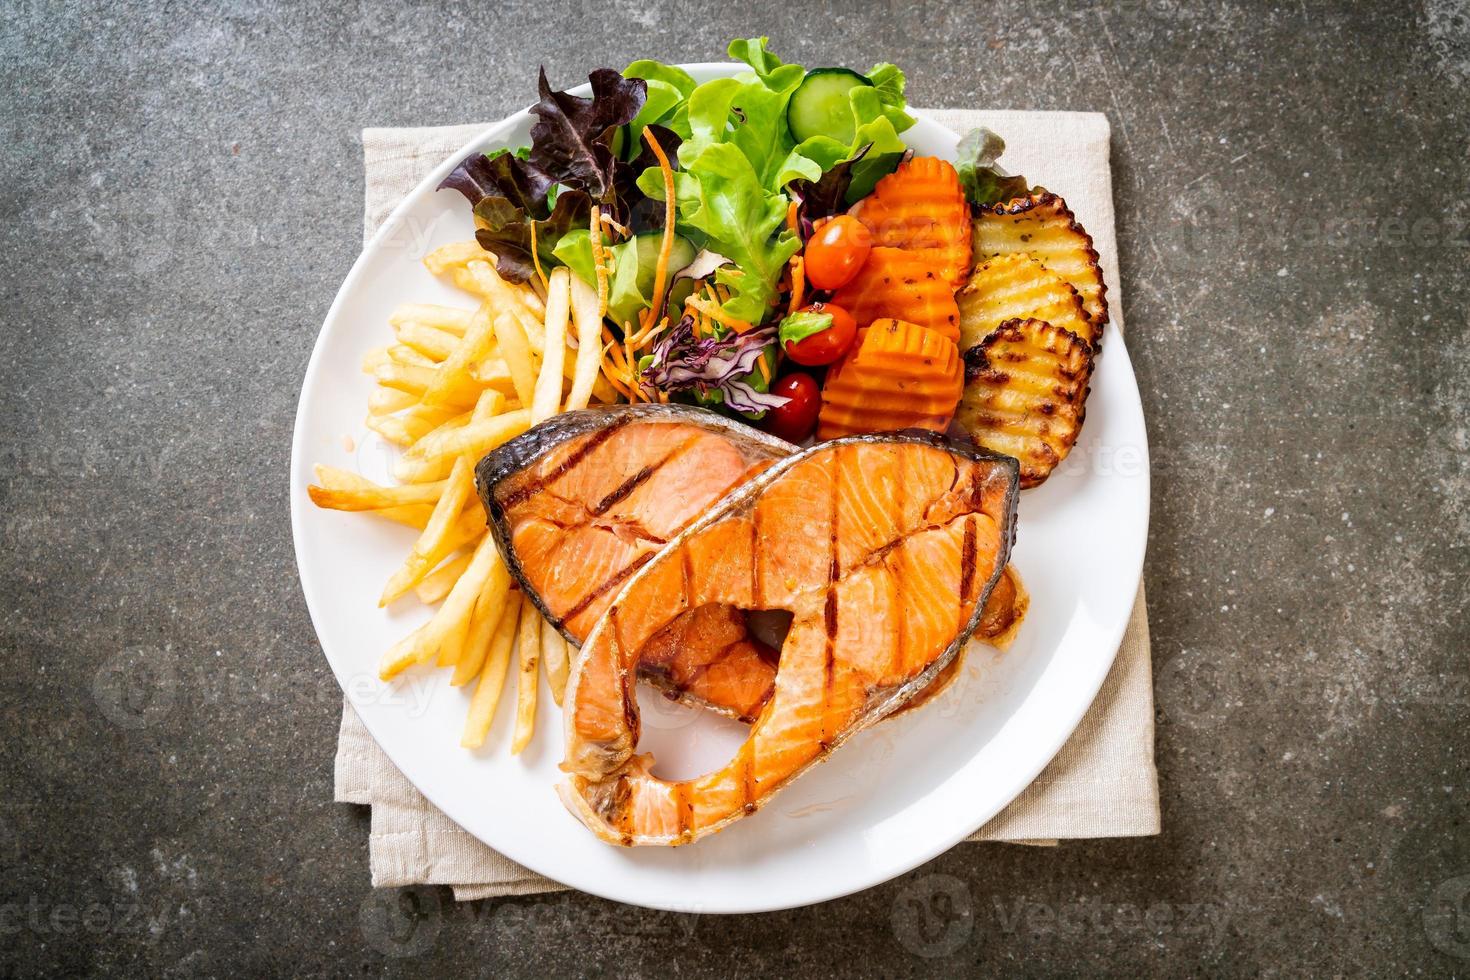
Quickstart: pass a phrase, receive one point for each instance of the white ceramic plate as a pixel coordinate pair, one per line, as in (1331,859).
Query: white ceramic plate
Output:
(889,800)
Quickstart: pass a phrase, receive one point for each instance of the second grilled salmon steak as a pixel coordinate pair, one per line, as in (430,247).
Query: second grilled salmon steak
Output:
(884,549)
(581,502)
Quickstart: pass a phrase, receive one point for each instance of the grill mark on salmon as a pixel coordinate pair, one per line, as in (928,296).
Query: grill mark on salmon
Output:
(637,480)
(967,560)
(829,685)
(628,486)
(829,609)
(618,578)
(567,465)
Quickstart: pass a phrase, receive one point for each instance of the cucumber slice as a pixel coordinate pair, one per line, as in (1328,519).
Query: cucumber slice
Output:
(635,266)
(820,106)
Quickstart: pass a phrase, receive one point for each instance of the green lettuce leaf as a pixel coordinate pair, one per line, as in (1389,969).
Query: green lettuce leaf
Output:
(981,178)
(722,198)
(574,250)
(801,325)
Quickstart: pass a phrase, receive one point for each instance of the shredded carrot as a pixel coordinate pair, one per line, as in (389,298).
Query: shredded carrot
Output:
(798,284)
(536,258)
(612,343)
(614,227)
(714,312)
(619,387)
(764,369)
(666,247)
(599,261)
(791,217)
(641,338)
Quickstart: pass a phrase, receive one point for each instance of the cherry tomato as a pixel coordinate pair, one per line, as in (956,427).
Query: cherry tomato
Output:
(830,344)
(837,251)
(795,420)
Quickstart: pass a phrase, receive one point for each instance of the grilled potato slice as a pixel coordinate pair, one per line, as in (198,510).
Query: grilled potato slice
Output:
(1014,286)
(1025,388)
(1042,225)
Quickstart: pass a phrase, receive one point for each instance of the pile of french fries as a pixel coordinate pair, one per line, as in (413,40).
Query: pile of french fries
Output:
(456,384)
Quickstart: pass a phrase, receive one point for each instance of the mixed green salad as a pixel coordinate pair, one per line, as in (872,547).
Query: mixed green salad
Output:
(699,291)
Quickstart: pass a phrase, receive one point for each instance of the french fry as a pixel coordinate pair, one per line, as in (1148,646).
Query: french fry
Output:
(467,529)
(547,398)
(391,428)
(453,645)
(432,342)
(436,584)
(509,301)
(375,359)
(528,680)
(375,497)
(430,548)
(444,258)
(493,372)
(385,401)
(532,300)
(515,348)
(589,343)
(489,610)
(491,404)
(554,656)
(433,456)
(454,374)
(413,515)
(451,319)
(492,677)
(466,276)
(464,650)
(403,354)
(420,645)
(416,379)
(407,428)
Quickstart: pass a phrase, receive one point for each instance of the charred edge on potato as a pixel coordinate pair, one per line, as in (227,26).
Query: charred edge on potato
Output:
(1073,371)
(1040,202)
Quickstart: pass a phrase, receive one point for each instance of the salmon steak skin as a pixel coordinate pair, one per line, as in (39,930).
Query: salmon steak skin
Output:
(579,503)
(884,548)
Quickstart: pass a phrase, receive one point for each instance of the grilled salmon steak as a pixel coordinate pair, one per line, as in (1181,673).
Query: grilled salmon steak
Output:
(581,502)
(572,551)
(884,549)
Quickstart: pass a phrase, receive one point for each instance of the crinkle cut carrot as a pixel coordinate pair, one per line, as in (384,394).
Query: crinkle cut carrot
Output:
(898,376)
(921,209)
(894,284)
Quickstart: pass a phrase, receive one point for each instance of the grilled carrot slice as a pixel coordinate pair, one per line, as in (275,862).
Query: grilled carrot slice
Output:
(894,284)
(921,209)
(898,376)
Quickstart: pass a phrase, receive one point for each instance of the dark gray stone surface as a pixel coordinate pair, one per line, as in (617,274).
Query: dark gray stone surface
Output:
(181,196)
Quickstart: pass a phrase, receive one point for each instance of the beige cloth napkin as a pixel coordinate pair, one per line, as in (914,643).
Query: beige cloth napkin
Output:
(1101,784)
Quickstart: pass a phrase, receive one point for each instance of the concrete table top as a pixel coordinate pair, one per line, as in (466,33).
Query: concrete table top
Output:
(182,195)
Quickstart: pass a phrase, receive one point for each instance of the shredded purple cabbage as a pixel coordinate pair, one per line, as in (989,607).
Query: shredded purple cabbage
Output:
(682,362)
